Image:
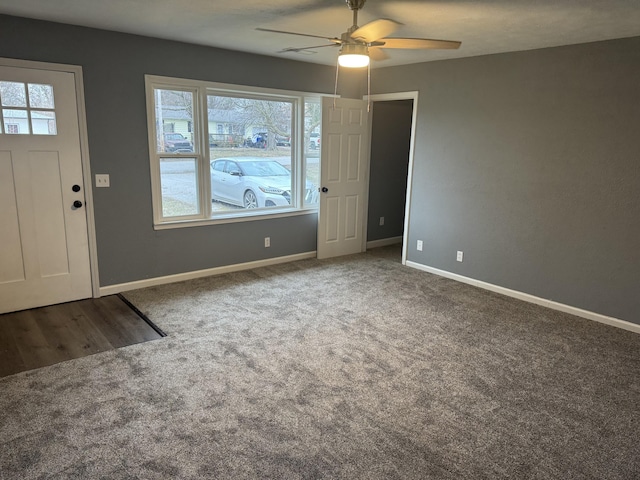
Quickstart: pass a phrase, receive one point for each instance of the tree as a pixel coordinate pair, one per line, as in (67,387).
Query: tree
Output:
(14,94)
(272,117)
(312,118)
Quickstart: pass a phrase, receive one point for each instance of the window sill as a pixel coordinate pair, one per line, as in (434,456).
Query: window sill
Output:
(222,219)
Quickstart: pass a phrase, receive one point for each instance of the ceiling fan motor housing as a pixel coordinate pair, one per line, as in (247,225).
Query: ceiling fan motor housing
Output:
(355,4)
(354,49)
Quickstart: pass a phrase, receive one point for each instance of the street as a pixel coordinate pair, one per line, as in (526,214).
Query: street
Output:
(180,189)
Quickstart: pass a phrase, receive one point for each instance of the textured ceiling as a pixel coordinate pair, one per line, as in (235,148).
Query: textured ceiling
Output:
(484,27)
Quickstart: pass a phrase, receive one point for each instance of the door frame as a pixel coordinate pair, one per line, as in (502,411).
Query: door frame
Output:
(76,70)
(385,97)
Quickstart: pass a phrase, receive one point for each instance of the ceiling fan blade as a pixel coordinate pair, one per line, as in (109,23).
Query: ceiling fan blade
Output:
(331,39)
(375,30)
(419,43)
(377,54)
(299,49)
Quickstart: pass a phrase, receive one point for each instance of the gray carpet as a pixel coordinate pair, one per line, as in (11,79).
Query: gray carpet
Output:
(355,368)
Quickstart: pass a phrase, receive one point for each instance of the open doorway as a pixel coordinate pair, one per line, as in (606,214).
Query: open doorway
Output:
(392,131)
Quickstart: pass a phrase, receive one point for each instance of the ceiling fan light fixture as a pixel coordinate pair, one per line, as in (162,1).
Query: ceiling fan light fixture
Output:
(353,55)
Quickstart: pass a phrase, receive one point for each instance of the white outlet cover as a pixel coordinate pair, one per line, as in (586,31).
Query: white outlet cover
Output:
(102,180)
(419,245)
(460,256)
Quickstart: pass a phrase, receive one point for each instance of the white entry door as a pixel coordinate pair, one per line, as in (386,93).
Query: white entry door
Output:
(44,248)
(344,150)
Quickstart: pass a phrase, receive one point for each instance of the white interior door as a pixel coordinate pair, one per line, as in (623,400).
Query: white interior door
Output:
(44,248)
(344,149)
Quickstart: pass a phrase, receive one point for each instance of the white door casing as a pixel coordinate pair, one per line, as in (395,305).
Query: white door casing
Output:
(388,97)
(344,157)
(44,242)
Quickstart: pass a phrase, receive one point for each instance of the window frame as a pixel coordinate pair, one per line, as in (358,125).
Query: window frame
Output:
(200,127)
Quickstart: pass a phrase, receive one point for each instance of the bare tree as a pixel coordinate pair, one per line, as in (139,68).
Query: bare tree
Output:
(14,94)
(272,116)
(41,96)
(312,118)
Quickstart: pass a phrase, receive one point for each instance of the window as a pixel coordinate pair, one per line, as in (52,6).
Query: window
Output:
(27,108)
(202,174)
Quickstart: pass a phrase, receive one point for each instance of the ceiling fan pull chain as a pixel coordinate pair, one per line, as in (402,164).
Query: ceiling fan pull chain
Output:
(369,87)
(335,90)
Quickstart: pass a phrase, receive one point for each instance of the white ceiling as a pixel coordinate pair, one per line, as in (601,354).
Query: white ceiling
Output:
(484,27)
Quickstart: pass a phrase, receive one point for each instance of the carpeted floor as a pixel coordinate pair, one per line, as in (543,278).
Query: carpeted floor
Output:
(352,368)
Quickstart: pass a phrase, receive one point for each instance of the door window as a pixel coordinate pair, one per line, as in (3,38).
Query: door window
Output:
(27,108)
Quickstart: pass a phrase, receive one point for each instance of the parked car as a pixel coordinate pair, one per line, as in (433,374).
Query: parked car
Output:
(283,141)
(314,140)
(260,140)
(177,143)
(254,183)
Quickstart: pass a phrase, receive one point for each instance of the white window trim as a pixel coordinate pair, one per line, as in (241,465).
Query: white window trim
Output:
(200,89)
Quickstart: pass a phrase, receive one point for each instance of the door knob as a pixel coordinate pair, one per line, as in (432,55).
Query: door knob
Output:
(77,204)
(325,189)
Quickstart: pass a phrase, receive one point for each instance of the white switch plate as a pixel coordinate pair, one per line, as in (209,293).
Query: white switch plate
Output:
(459,256)
(419,245)
(102,180)
(267,242)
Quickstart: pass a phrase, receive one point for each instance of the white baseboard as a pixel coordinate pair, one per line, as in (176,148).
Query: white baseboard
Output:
(615,322)
(384,242)
(180,277)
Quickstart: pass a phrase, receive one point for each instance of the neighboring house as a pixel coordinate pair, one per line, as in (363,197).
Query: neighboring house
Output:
(226,127)
(177,120)
(17,122)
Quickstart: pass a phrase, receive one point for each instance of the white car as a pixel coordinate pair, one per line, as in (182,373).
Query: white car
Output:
(254,183)
(314,141)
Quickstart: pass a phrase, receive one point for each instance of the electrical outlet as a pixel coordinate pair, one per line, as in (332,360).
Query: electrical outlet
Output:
(419,245)
(381,221)
(102,180)
(267,242)
(459,256)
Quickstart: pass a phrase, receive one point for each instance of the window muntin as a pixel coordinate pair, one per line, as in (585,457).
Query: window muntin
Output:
(252,163)
(27,108)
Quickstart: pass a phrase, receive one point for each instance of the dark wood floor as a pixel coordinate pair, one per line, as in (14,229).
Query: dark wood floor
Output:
(44,336)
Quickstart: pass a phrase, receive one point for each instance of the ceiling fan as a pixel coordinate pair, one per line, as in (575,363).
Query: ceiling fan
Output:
(359,44)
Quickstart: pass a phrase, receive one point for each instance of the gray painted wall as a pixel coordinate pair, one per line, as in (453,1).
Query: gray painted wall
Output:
(389,167)
(114,66)
(529,162)
(526,161)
